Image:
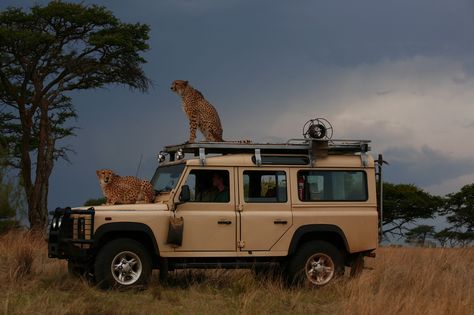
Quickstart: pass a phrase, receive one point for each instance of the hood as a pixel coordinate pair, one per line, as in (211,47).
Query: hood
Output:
(137,207)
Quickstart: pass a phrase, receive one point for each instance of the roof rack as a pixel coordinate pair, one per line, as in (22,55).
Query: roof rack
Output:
(313,148)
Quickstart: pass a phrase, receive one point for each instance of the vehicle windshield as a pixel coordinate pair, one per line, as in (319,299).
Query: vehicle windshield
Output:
(166,177)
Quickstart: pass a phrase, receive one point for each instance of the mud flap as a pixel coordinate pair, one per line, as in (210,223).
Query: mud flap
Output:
(357,265)
(175,231)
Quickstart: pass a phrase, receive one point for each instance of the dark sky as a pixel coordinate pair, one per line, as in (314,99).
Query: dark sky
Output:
(397,72)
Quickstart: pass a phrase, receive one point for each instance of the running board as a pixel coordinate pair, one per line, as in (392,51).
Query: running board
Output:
(220,265)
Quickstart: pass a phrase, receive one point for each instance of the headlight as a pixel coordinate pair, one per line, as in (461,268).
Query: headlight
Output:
(161,157)
(56,223)
(179,154)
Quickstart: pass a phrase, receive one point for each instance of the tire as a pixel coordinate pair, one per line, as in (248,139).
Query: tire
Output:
(123,263)
(316,263)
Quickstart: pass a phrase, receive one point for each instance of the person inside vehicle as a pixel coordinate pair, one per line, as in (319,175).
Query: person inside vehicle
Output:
(222,191)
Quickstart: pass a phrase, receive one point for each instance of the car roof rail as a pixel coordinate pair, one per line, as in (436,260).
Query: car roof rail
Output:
(313,148)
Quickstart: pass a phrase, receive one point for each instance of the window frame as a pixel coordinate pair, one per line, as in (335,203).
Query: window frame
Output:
(264,172)
(192,171)
(365,181)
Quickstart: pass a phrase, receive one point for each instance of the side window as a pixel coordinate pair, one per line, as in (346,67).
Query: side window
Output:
(332,186)
(265,186)
(208,186)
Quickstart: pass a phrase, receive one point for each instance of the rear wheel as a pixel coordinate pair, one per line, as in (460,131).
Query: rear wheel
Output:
(123,263)
(315,264)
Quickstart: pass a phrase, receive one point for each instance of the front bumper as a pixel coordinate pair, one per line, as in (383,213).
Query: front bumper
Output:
(71,233)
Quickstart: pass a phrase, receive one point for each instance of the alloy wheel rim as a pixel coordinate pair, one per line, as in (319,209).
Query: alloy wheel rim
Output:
(126,268)
(319,269)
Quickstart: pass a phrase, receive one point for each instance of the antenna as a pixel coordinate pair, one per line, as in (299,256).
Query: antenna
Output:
(139,165)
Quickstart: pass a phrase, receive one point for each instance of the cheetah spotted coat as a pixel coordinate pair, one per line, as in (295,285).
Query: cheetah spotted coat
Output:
(125,190)
(201,114)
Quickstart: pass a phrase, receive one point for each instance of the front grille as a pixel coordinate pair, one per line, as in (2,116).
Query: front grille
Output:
(71,232)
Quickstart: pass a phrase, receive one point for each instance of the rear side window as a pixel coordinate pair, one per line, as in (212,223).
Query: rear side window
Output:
(265,186)
(332,186)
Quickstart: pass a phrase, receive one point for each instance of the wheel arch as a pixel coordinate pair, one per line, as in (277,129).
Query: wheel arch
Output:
(324,232)
(133,230)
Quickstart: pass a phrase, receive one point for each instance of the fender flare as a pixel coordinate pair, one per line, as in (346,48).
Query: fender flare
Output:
(123,228)
(315,228)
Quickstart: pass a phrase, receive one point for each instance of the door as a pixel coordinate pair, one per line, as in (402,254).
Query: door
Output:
(265,207)
(210,222)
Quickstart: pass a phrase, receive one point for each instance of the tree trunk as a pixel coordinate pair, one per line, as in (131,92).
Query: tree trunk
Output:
(26,117)
(43,170)
(37,192)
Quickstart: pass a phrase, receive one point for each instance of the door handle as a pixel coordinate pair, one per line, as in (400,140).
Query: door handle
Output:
(226,222)
(280,222)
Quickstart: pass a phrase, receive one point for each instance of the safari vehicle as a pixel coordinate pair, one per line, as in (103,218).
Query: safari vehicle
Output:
(308,207)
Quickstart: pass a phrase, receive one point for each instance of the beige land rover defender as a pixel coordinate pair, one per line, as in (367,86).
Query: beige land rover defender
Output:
(308,207)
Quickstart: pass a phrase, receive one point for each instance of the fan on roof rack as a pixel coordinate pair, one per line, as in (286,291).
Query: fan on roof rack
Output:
(318,128)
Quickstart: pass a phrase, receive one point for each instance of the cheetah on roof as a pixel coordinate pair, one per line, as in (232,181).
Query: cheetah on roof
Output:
(201,114)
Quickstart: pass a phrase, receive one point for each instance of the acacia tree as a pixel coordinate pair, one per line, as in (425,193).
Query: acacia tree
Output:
(459,209)
(419,234)
(404,204)
(443,237)
(44,54)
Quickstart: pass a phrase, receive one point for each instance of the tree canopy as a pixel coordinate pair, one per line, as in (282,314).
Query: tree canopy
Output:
(44,54)
(404,204)
(460,208)
(419,234)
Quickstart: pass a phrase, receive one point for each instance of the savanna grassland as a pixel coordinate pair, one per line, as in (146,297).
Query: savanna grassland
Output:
(397,281)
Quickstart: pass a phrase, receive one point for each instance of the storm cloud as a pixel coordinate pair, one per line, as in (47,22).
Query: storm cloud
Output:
(397,72)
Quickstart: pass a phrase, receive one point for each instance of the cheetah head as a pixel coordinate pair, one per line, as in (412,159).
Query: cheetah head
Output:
(178,86)
(105,176)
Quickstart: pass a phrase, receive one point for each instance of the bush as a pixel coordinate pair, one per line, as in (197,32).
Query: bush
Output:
(94,202)
(7,225)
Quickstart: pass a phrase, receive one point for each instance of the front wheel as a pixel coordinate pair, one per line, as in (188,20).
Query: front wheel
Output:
(315,264)
(123,263)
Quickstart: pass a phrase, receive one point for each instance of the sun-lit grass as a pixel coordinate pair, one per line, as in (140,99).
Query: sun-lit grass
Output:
(398,281)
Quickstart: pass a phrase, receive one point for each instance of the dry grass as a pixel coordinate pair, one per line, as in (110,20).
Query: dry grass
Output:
(414,281)
(400,281)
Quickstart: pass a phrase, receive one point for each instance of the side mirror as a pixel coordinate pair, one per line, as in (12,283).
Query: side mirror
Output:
(185,194)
